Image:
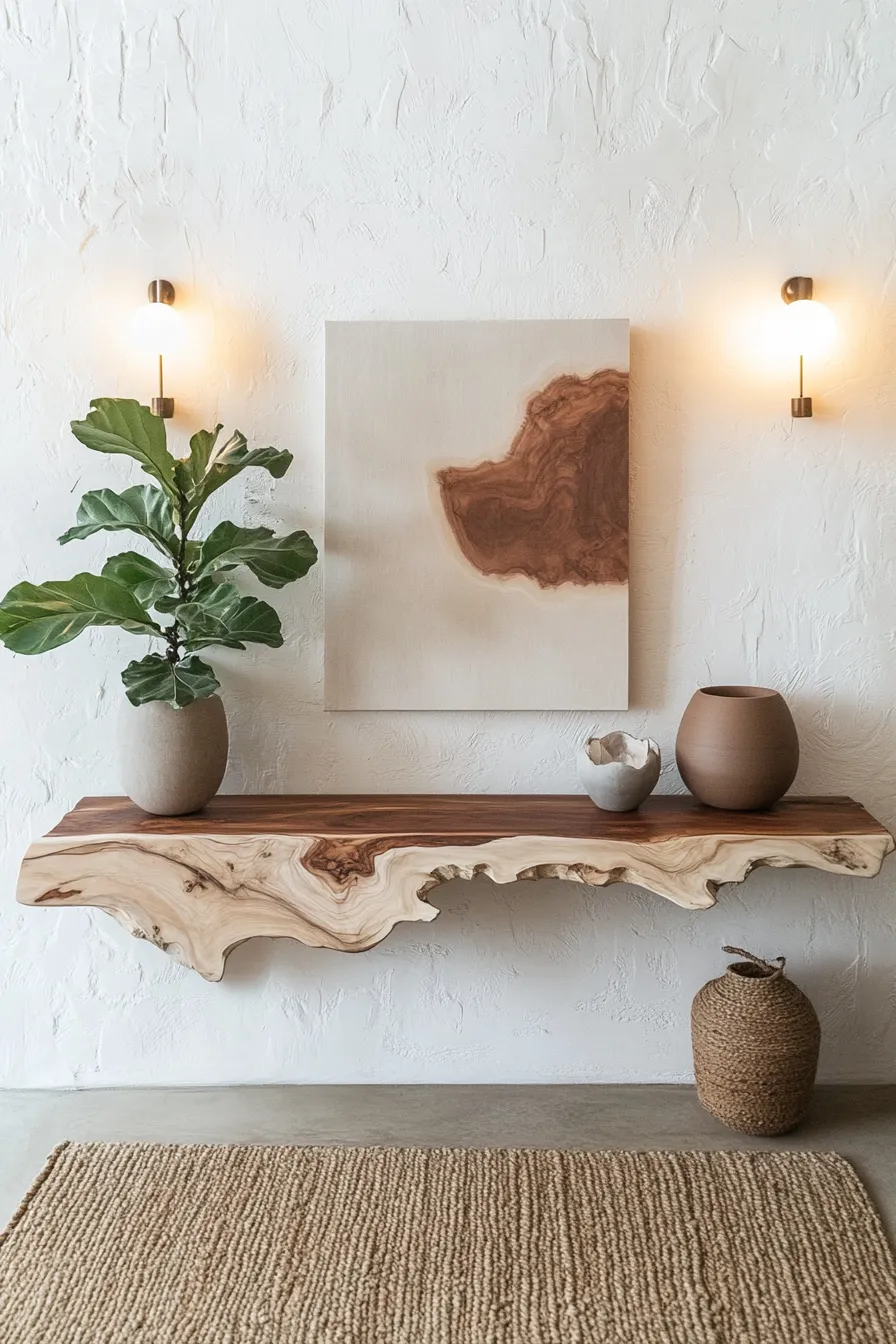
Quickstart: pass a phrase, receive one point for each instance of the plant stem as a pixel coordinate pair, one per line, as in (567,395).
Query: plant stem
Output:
(184,584)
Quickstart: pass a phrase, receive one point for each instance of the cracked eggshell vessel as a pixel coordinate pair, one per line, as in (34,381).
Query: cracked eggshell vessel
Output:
(737,747)
(172,761)
(618,771)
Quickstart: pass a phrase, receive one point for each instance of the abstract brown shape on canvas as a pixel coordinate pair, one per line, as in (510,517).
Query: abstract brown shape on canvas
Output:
(555,508)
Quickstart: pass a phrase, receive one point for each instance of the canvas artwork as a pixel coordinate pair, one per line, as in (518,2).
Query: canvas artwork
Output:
(476,535)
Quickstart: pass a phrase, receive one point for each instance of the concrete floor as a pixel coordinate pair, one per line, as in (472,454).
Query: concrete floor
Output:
(858,1122)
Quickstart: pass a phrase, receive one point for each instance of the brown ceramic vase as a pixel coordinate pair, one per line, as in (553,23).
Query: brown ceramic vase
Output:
(737,747)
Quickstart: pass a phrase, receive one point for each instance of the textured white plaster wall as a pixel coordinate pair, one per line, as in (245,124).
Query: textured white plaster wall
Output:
(287,162)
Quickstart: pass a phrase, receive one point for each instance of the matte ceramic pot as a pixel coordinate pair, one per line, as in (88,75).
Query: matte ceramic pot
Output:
(737,747)
(618,771)
(172,761)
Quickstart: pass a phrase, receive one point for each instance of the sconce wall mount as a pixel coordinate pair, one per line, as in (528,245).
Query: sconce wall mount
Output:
(810,329)
(157,330)
(162,291)
(799,289)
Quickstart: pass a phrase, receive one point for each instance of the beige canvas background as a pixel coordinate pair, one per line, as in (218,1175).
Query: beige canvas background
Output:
(409,623)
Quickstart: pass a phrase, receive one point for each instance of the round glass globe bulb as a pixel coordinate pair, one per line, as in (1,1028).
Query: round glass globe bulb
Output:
(157,328)
(808,327)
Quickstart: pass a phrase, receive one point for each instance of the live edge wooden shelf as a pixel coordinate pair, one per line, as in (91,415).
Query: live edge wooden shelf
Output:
(341,871)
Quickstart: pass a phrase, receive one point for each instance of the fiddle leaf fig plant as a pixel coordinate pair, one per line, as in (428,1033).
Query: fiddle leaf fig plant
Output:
(183,595)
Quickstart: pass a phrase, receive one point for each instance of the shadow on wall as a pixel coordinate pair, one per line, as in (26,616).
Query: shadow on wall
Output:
(656,450)
(229,356)
(552,979)
(851,740)
(854,1002)
(855,388)
(548,922)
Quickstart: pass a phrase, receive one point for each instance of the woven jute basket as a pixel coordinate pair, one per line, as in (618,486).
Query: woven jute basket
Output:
(756,1039)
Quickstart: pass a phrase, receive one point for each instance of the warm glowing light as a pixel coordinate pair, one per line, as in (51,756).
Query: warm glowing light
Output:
(807,328)
(157,328)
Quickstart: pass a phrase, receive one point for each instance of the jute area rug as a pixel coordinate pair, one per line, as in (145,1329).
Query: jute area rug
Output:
(264,1245)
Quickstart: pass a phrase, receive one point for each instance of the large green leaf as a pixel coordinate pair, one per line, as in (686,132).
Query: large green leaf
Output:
(175,684)
(150,583)
(170,601)
(211,465)
(141,508)
(38,617)
(276,561)
(120,425)
(189,472)
(192,552)
(225,617)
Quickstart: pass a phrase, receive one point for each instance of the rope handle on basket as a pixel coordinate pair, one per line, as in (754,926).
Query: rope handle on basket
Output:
(767,965)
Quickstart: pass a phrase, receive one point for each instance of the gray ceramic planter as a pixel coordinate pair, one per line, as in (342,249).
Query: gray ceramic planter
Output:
(618,771)
(172,761)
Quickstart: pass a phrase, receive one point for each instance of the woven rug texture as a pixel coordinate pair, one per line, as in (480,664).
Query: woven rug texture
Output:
(273,1245)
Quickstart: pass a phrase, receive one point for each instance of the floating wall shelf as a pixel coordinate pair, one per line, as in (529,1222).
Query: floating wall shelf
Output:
(341,871)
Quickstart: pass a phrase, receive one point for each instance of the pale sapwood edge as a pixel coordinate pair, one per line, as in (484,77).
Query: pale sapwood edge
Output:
(198,896)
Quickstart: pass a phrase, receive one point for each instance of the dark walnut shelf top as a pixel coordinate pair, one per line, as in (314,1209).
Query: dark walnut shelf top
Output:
(474,817)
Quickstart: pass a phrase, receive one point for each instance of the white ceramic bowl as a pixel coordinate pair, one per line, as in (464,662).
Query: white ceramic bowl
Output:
(618,771)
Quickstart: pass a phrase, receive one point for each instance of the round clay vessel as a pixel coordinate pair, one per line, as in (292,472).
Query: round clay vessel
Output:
(737,747)
(172,761)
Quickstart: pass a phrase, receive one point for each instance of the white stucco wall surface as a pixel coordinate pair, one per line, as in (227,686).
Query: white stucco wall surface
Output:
(285,163)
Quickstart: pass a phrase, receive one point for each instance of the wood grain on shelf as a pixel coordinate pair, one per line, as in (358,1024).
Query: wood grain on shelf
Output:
(340,871)
(486,816)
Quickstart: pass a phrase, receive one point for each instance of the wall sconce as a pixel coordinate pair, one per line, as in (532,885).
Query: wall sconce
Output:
(157,328)
(809,330)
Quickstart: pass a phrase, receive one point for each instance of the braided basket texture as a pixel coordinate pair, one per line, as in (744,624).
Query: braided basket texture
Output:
(755,1038)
